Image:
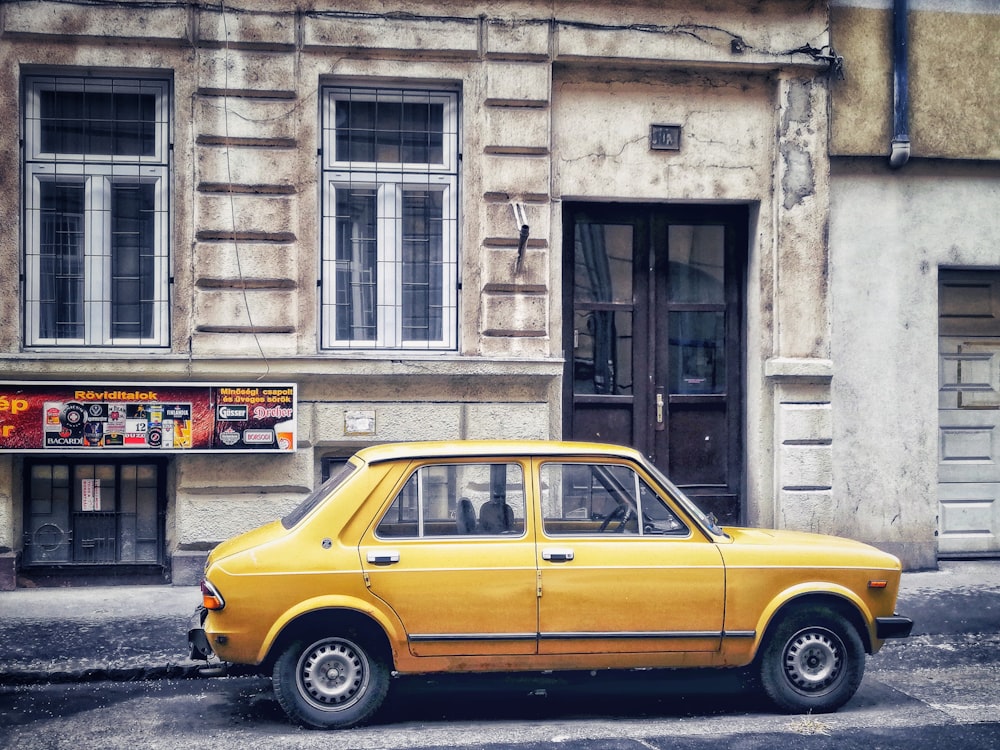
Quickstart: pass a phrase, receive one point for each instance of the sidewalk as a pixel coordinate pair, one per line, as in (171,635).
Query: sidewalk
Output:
(94,633)
(140,632)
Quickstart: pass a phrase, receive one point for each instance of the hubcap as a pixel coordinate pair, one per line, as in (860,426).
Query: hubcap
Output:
(332,674)
(814,660)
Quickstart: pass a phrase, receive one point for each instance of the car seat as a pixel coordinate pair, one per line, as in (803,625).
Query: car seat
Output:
(496,517)
(465,517)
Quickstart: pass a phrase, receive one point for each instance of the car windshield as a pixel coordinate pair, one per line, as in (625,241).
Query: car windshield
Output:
(707,520)
(320,493)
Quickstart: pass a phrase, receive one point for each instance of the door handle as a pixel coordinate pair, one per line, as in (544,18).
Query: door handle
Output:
(388,557)
(557,555)
(659,409)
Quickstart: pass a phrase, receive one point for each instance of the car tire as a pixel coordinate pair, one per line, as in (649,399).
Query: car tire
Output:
(812,661)
(334,682)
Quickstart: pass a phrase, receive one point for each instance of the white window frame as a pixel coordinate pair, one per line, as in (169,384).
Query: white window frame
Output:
(390,181)
(38,83)
(99,174)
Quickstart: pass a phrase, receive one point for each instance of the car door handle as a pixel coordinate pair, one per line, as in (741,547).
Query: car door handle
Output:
(383,558)
(557,555)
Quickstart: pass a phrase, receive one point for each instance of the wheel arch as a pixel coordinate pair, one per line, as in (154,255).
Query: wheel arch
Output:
(843,603)
(326,620)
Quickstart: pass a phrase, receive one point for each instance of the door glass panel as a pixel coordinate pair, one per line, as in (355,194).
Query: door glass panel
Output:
(465,499)
(603,260)
(697,352)
(596,499)
(94,516)
(48,538)
(147,526)
(697,263)
(602,352)
(138,524)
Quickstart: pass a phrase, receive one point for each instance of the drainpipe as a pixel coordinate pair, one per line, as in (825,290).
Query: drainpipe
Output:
(899,149)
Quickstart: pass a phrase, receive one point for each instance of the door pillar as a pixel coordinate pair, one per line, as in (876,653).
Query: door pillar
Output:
(803,444)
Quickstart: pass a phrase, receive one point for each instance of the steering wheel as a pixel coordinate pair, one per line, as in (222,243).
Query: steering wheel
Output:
(621,512)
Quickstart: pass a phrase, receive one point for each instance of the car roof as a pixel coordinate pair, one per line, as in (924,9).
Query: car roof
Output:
(483,448)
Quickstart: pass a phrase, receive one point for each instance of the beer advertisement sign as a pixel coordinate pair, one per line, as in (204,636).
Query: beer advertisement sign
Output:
(155,417)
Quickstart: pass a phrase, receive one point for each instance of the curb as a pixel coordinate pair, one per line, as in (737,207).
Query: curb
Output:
(124,674)
(101,674)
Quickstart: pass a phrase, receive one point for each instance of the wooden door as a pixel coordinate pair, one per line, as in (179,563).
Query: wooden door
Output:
(653,317)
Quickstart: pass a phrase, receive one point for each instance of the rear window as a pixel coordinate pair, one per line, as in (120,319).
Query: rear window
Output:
(320,493)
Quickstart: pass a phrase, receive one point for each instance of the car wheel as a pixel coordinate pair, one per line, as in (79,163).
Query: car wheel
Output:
(331,683)
(812,661)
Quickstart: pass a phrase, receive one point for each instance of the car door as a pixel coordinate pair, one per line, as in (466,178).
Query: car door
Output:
(620,570)
(453,558)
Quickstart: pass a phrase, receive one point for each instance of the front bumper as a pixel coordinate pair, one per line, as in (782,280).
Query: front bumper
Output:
(893,627)
(197,639)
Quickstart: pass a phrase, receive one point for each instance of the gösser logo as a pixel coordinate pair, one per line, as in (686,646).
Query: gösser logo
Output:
(232,413)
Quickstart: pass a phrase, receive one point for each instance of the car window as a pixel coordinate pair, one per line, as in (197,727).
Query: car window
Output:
(584,498)
(481,499)
(319,494)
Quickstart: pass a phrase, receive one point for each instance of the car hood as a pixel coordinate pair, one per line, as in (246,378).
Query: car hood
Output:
(810,545)
(247,541)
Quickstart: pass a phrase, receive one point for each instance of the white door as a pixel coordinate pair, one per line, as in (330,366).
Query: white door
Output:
(969,413)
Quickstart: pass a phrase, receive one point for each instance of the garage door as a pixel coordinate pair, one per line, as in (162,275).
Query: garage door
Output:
(969,413)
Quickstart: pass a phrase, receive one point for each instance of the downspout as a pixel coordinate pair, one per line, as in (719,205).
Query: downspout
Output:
(899,149)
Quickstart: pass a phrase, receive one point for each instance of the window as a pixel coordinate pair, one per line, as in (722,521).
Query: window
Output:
(580,498)
(87,513)
(390,247)
(343,471)
(460,499)
(96,202)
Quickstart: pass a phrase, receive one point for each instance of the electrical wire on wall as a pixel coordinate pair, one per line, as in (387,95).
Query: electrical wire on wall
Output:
(232,200)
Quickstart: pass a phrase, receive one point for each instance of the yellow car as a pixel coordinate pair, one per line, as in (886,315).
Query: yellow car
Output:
(515,556)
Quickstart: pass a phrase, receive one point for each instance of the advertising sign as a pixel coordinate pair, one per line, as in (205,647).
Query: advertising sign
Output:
(159,417)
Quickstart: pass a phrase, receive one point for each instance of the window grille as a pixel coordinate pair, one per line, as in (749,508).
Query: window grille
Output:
(390,239)
(96,211)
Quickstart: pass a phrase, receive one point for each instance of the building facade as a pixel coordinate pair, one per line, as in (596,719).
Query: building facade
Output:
(914,263)
(443,220)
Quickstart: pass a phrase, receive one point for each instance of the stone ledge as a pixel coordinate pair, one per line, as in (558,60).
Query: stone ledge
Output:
(187,567)
(799,368)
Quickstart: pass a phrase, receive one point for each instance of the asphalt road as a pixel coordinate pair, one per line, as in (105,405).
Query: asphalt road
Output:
(939,692)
